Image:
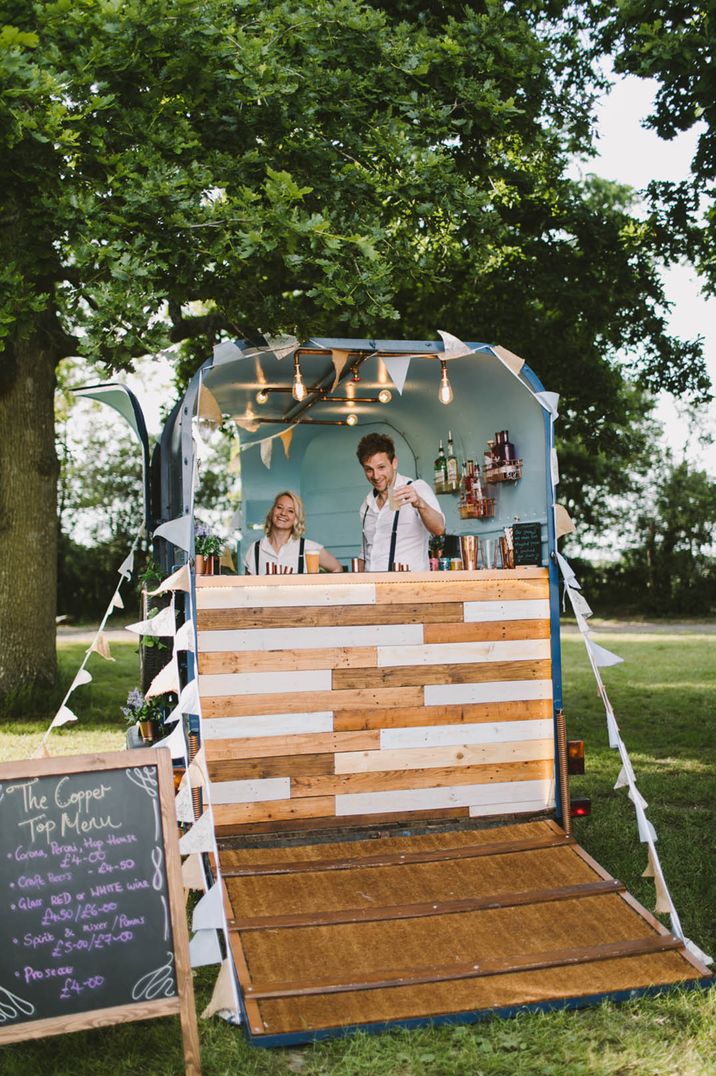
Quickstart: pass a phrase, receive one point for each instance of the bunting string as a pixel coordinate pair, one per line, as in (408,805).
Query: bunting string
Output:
(600,657)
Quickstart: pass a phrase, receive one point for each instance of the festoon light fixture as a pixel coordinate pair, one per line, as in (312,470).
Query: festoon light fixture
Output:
(298,390)
(445,394)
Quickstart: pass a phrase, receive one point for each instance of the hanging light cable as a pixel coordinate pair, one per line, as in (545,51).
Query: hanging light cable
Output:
(298,391)
(445,391)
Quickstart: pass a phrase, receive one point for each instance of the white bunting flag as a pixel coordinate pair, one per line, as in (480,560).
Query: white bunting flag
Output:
(453,347)
(204,949)
(554,467)
(603,658)
(397,367)
(223,998)
(184,804)
(117,602)
(179,580)
(189,698)
(161,625)
(200,838)
(579,603)
(184,638)
(646,830)
(636,797)
(82,677)
(127,566)
(175,742)
(192,873)
(266,450)
(209,912)
(613,730)
(512,362)
(226,351)
(167,679)
(568,575)
(63,716)
(198,775)
(550,402)
(177,531)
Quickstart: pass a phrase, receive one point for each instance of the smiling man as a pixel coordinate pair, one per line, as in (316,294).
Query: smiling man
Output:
(399,514)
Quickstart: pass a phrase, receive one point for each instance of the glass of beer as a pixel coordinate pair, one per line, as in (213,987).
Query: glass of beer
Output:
(312,558)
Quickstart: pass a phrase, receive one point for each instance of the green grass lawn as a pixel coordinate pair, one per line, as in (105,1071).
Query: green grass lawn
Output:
(664,697)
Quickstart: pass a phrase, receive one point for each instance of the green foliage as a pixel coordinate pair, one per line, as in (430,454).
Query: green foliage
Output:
(673,43)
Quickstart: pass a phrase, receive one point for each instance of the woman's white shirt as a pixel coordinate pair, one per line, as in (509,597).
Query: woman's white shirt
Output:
(285,557)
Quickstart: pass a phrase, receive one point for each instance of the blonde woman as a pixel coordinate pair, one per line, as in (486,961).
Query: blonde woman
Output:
(284,544)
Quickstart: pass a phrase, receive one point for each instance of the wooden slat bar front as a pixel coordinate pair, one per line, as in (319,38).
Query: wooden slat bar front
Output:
(443,681)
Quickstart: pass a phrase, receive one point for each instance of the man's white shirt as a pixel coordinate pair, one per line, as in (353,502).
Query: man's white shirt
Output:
(411,546)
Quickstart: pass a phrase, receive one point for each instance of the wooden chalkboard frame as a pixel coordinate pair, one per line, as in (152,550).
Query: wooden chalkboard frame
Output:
(183,1003)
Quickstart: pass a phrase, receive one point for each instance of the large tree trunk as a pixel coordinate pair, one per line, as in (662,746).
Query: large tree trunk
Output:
(28,514)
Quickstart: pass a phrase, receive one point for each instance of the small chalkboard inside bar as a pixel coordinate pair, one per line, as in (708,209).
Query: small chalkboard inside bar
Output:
(91,897)
(527,538)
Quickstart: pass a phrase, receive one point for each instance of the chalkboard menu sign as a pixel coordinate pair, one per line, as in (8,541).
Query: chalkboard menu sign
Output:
(527,538)
(90,894)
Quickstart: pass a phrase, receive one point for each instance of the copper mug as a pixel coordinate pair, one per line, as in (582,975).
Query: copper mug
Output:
(357,564)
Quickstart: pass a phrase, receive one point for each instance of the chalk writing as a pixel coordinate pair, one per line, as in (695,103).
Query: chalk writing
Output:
(83,894)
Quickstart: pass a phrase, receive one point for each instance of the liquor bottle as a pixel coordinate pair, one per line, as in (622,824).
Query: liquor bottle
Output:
(453,472)
(440,470)
(489,460)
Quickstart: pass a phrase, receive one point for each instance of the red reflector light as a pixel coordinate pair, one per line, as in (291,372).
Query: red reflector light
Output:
(580,807)
(575,756)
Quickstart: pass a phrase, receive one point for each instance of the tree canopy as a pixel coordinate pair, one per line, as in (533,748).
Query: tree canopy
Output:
(175,171)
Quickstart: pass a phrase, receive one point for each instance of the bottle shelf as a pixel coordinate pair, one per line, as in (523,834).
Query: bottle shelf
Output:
(504,472)
(482,509)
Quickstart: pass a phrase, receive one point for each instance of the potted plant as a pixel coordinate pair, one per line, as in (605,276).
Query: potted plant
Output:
(208,548)
(147,713)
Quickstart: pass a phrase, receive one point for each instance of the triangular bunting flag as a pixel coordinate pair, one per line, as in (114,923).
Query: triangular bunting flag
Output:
(204,949)
(82,677)
(579,603)
(453,347)
(184,805)
(613,730)
(192,873)
(567,572)
(223,998)
(207,407)
(200,838)
(177,531)
(175,742)
(225,352)
(184,638)
(286,438)
(189,698)
(554,467)
(646,830)
(550,402)
(235,456)
(266,450)
(127,566)
(209,912)
(179,580)
(163,624)
(603,658)
(198,775)
(62,717)
(340,358)
(167,679)
(117,602)
(397,367)
(563,521)
(101,646)
(512,362)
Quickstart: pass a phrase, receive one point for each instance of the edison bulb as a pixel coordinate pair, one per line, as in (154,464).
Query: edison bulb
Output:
(385,395)
(351,420)
(299,389)
(445,394)
(262,396)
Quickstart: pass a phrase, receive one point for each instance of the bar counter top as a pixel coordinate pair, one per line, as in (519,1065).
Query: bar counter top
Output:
(343,578)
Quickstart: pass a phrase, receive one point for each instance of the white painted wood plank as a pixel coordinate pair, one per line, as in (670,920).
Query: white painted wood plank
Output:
(527,609)
(463,754)
(423,799)
(445,735)
(266,788)
(238,597)
(492,691)
(234,728)
(309,638)
(267,683)
(459,653)
(524,807)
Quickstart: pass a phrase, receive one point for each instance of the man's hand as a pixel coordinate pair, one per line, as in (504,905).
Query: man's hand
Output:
(432,520)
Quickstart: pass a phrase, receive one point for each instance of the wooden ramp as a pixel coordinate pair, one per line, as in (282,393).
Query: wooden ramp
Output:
(361,933)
